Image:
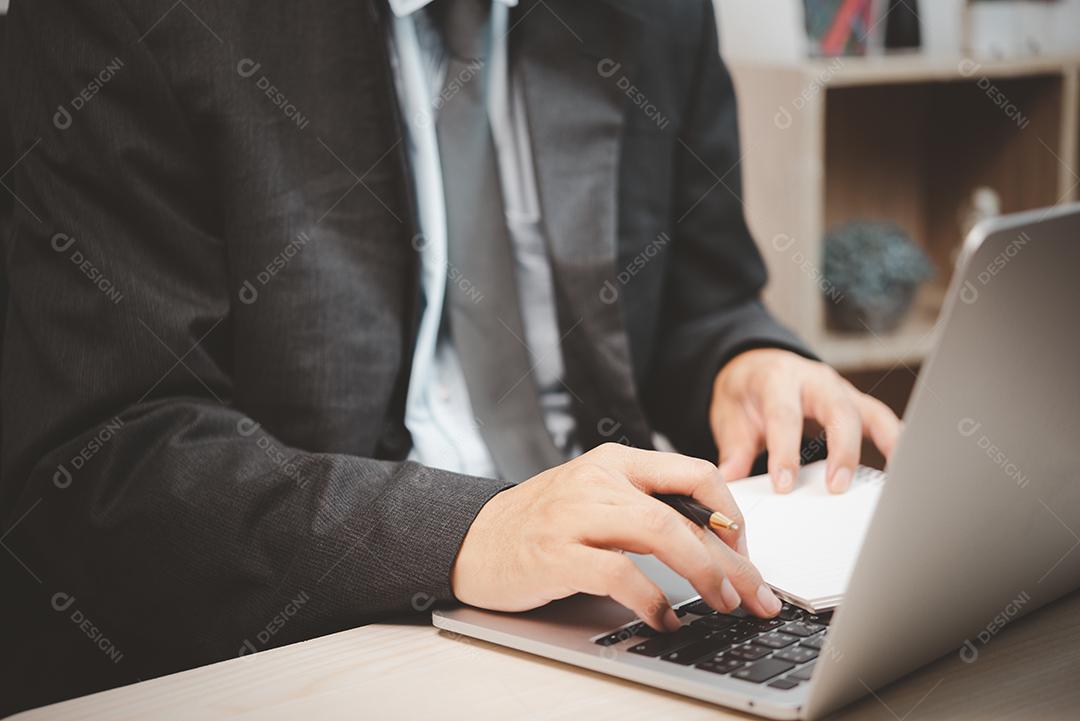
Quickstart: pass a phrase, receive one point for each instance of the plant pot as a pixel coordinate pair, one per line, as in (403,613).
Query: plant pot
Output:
(881,315)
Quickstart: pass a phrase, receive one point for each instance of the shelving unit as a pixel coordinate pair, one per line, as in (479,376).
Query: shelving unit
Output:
(903,138)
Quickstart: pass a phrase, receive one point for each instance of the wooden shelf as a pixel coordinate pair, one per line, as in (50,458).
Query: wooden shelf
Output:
(907,345)
(901,138)
(918,68)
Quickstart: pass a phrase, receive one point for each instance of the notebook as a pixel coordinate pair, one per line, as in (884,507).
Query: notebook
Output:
(805,543)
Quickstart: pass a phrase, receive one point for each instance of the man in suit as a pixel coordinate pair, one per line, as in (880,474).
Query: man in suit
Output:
(300,291)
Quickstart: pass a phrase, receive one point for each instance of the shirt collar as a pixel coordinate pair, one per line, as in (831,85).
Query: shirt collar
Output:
(404,8)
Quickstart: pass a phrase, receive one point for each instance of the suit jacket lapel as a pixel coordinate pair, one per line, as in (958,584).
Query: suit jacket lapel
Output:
(569,56)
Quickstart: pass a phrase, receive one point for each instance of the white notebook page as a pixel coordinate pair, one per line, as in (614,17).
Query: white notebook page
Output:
(805,543)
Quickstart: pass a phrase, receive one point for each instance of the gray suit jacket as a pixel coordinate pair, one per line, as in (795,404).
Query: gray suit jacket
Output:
(214,293)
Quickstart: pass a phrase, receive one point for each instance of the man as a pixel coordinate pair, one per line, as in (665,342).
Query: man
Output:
(297,289)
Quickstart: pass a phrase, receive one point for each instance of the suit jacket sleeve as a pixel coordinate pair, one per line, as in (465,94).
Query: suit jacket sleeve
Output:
(712,308)
(181,527)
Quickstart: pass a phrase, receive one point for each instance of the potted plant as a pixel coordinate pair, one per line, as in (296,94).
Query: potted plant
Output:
(873,271)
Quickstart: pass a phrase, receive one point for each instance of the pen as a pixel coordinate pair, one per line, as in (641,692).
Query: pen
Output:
(698,513)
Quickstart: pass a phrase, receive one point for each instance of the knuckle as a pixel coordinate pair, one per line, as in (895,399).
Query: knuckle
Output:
(660,520)
(589,474)
(828,374)
(702,468)
(845,421)
(607,449)
(620,570)
(743,573)
(786,414)
(759,376)
(560,482)
(881,410)
(657,602)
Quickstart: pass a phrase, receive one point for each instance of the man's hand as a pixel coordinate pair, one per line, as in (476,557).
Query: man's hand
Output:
(760,399)
(563,531)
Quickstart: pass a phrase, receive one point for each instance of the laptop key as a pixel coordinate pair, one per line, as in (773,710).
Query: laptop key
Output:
(764,624)
(824,618)
(763,670)
(740,636)
(663,643)
(625,634)
(784,683)
(715,621)
(803,674)
(790,613)
(698,608)
(802,628)
(723,665)
(815,642)
(775,639)
(796,654)
(748,653)
(698,650)
(613,638)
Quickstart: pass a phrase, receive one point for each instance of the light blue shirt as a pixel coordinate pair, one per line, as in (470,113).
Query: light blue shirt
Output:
(438,413)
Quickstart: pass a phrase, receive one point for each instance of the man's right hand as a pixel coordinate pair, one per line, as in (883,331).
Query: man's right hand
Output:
(563,532)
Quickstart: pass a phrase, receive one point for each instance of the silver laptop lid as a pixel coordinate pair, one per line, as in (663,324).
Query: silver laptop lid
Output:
(980,519)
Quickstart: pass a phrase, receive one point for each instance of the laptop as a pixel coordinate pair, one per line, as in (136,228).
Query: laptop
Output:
(976,523)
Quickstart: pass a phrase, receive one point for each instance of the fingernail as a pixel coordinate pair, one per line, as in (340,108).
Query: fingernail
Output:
(768,600)
(785,481)
(841,480)
(671,621)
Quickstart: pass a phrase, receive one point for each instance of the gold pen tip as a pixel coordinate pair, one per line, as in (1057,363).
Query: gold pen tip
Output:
(720,521)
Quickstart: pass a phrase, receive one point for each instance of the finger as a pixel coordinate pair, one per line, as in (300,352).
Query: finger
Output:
(829,403)
(655,472)
(607,573)
(782,412)
(739,440)
(649,526)
(880,422)
(757,597)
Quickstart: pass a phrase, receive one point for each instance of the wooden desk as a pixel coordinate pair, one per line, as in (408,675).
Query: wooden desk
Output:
(1030,670)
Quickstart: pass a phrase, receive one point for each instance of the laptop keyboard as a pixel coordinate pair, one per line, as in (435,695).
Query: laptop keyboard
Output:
(780,651)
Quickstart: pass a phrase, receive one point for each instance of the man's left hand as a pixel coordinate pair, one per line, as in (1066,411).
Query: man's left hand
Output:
(760,400)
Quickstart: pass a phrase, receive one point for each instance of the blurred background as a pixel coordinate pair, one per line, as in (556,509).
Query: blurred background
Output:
(875,134)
